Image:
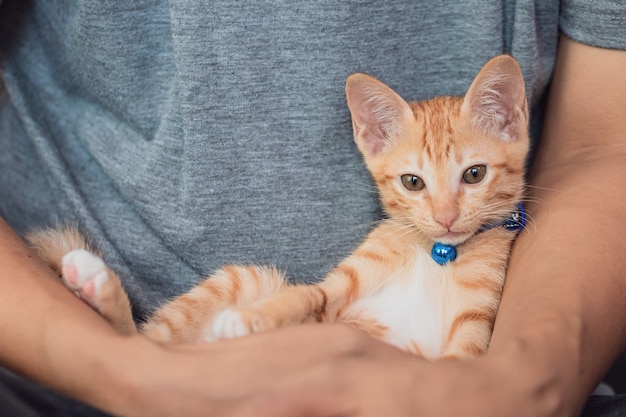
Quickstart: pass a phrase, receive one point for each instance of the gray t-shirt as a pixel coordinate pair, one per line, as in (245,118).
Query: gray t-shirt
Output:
(182,135)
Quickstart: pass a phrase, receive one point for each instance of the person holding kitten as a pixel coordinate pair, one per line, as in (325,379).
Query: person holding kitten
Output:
(184,136)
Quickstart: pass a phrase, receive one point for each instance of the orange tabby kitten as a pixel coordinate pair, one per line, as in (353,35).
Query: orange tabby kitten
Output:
(428,279)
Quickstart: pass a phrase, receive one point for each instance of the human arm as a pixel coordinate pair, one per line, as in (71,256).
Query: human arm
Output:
(561,317)
(48,334)
(52,337)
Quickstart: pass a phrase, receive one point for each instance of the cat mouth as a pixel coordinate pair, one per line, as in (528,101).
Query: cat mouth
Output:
(453,238)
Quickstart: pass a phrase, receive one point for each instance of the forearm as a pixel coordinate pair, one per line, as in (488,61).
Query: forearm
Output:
(560,324)
(51,336)
(560,319)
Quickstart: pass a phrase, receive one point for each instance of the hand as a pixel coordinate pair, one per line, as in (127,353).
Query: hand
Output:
(239,376)
(312,370)
(370,379)
(352,374)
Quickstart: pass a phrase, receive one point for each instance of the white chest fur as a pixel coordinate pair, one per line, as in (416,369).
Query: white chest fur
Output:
(415,305)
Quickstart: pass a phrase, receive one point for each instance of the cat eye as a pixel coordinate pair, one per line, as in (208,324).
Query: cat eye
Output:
(412,182)
(475,174)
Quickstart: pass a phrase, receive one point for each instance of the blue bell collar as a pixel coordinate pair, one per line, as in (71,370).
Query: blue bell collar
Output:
(442,253)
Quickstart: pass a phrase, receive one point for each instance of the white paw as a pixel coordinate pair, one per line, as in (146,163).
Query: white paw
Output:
(229,324)
(84,273)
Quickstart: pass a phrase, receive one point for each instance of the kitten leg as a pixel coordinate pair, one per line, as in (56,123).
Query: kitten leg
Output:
(470,326)
(91,280)
(366,271)
(68,253)
(471,338)
(188,318)
(296,304)
(292,305)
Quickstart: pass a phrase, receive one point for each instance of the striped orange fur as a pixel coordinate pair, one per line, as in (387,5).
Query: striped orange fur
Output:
(419,155)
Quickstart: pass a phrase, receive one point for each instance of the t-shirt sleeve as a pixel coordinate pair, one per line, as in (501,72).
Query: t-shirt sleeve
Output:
(600,23)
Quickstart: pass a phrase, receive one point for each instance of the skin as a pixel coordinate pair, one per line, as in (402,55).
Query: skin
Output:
(557,332)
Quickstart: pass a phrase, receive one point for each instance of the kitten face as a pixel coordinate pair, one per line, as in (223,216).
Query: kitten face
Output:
(450,165)
(447,178)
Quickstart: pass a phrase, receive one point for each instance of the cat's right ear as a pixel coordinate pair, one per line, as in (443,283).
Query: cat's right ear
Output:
(378,112)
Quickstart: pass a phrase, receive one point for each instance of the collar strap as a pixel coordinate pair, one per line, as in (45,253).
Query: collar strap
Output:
(514,223)
(442,253)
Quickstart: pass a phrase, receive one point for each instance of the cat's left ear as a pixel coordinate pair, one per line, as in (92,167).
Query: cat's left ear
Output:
(496,100)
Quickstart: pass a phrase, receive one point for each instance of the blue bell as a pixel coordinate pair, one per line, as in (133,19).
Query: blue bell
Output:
(442,253)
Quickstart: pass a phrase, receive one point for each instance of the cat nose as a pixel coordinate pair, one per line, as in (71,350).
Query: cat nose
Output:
(446,217)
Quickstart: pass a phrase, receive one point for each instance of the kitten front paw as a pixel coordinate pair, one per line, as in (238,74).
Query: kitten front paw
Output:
(232,323)
(86,275)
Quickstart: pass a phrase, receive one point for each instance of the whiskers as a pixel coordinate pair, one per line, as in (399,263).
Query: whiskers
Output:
(402,226)
(368,187)
(530,200)
(492,213)
(531,224)
(536,187)
(498,212)
(370,225)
